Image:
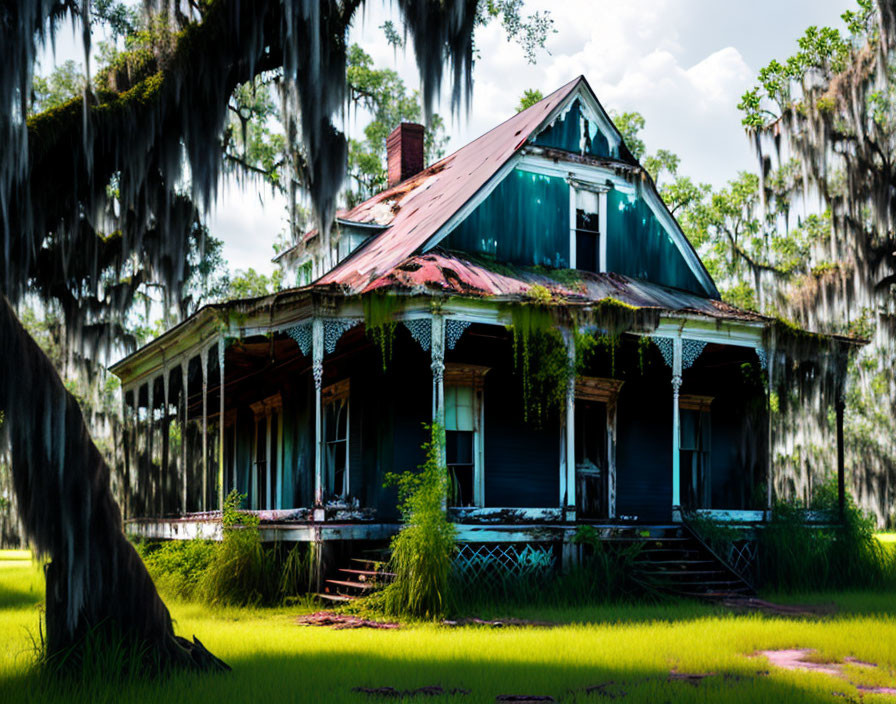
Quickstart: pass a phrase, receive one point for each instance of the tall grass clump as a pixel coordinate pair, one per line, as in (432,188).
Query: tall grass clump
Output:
(241,572)
(238,571)
(422,551)
(797,555)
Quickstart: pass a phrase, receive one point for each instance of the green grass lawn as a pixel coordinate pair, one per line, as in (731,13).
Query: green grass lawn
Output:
(635,648)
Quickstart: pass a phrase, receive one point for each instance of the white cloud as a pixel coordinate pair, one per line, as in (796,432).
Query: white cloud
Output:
(248,219)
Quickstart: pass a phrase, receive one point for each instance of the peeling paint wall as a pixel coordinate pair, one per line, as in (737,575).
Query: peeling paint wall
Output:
(525,220)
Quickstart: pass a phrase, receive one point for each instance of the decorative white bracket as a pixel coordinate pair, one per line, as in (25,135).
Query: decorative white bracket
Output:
(453,330)
(690,350)
(334,328)
(421,331)
(301,333)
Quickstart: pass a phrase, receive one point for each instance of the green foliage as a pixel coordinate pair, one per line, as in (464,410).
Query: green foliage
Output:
(796,555)
(540,359)
(65,82)
(529,98)
(177,566)
(242,571)
(607,572)
(530,32)
(383,94)
(823,52)
(742,295)
(662,161)
(379,321)
(252,145)
(630,125)
(252,284)
(716,534)
(423,549)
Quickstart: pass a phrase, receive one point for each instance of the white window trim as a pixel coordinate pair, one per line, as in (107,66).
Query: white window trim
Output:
(576,184)
(457,374)
(335,392)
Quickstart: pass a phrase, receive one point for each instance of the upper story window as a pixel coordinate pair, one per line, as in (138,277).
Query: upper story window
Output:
(587,242)
(587,231)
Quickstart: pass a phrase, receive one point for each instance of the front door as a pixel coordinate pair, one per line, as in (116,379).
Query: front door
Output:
(591,459)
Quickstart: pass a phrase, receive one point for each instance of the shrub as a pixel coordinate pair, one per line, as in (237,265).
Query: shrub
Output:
(422,551)
(796,555)
(177,566)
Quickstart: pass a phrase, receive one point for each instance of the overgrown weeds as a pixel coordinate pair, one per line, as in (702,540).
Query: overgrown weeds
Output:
(422,551)
(605,574)
(798,555)
(238,571)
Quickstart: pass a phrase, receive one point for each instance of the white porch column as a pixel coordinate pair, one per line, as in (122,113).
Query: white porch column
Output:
(204,364)
(185,380)
(438,369)
(676,424)
(166,435)
(221,424)
(152,481)
(568,457)
(317,355)
(128,450)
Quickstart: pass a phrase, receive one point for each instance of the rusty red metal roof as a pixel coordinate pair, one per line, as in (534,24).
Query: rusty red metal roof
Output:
(455,273)
(418,207)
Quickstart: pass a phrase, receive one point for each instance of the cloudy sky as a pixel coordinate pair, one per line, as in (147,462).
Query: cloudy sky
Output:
(683,64)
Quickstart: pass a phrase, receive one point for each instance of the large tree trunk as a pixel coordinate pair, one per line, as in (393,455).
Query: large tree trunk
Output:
(97,585)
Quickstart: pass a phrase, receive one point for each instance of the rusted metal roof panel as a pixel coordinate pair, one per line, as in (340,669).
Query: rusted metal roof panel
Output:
(415,209)
(457,273)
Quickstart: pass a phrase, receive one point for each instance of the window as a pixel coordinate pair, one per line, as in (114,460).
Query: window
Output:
(267,456)
(304,273)
(336,429)
(460,443)
(463,433)
(695,451)
(587,230)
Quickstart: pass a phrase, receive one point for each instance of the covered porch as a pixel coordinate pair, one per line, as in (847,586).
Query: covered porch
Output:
(306,418)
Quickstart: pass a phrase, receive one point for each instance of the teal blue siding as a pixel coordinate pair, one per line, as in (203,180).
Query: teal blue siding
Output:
(525,220)
(566,133)
(640,247)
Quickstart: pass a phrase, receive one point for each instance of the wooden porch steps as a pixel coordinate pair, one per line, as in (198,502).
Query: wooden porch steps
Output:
(674,560)
(335,597)
(366,576)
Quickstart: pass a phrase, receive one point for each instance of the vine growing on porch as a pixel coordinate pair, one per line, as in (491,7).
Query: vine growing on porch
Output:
(379,321)
(540,353)
(541,359)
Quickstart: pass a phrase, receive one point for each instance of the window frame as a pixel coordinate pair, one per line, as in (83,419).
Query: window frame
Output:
(472,375)
(339,391)
(575,186)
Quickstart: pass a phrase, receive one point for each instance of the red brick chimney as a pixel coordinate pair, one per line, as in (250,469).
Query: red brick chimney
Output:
(404,148)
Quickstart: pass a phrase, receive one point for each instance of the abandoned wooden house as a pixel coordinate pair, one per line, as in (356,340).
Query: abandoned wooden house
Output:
(408,311)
